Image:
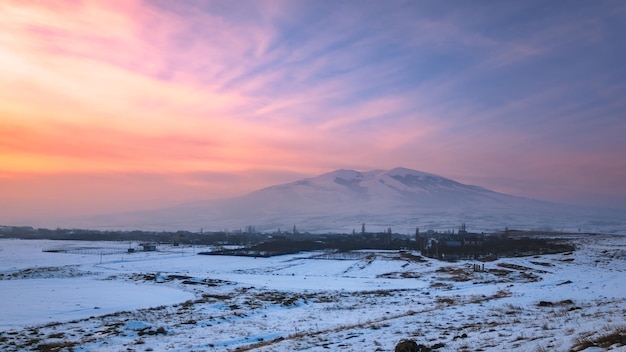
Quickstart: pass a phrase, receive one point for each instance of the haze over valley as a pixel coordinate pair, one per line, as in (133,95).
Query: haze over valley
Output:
(342,200)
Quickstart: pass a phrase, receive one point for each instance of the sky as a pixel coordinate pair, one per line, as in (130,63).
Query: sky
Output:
(110,106)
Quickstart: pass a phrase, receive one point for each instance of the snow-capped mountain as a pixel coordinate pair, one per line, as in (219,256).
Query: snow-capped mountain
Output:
(397,188)
(343,200)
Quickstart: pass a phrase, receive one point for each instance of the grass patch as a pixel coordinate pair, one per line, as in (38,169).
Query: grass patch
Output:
(565,302)
(56,346)
(613,337)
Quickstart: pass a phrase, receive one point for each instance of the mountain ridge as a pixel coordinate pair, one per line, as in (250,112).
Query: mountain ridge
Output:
(401,183)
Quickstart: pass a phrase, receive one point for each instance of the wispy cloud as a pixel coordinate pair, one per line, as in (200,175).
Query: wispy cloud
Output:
(477,90)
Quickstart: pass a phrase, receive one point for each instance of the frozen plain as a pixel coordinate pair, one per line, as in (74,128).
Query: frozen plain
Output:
(176,300)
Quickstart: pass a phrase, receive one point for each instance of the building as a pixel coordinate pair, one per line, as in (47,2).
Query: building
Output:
(148,247)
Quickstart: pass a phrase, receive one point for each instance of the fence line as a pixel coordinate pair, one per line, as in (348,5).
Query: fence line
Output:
(86,250)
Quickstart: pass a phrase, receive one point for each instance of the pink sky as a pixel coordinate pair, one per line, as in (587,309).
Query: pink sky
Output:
(120,105)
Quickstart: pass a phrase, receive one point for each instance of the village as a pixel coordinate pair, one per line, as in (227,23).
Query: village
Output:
(447,245)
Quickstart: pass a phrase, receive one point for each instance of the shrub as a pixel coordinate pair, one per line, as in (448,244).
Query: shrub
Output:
(412,346)
(407,346)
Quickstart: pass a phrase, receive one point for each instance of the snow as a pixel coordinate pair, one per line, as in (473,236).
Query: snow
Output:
(174,299)
(39,301)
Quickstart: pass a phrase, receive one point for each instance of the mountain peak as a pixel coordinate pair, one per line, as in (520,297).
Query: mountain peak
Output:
(402,171)
(344,174)
(379,187)
(349,174)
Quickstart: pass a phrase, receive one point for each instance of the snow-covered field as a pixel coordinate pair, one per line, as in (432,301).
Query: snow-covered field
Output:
(176,300)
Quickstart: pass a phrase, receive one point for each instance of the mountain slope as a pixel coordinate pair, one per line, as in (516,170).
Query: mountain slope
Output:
(379,191)
(342,200)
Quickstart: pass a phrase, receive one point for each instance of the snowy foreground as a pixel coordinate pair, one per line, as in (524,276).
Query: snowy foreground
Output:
(176,300)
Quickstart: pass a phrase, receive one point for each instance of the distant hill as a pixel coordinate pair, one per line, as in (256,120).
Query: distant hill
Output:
(343,200)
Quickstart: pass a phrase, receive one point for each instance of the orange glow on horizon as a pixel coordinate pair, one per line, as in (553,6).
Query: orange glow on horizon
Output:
(182,94)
